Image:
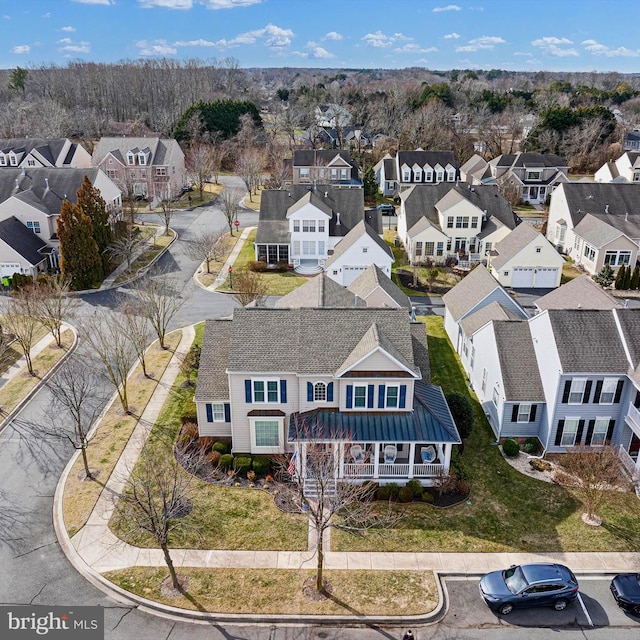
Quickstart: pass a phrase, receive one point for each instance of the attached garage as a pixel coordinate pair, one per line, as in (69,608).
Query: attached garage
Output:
(546,278)
(534,278)
(7,269)
(523,278)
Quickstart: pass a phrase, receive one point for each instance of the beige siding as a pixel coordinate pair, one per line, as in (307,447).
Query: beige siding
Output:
(214,429)
(25,213)
(377,361)
(379,298)
(375,381)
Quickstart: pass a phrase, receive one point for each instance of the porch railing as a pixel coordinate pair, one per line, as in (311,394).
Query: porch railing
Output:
(627,461)
(395,470)
(633,415)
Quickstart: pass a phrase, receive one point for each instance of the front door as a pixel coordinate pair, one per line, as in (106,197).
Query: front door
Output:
(460,245)
(634,447)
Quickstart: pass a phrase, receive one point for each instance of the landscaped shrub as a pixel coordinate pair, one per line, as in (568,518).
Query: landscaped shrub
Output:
(427,497)
(383,493)
(213,457)
(405,494)
(416,489)
(220,447)
(189,432)
(510,447)
(539,465)
(261,465)
(282,266)
(395,489)
(226,461)
(204,443)
(458,466)
(257,265)
(531,446)
(463,487)
(242,464)
(462,412)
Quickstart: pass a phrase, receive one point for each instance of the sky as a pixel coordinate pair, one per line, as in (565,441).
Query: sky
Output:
(544,35)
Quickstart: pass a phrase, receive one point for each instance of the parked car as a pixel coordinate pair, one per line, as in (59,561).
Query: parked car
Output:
(625,588)
(387,209)
(529,585)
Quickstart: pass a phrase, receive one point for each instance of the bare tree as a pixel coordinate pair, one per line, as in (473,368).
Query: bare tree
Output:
(249,167)
(74,389)
(230,205)
(54,303)
(592,472)
(207,247)
(126,247)
(139,330)
(332,503)
(190,363)
(160,300)
(20,320)
(157,496)
(114,349)
(249,287)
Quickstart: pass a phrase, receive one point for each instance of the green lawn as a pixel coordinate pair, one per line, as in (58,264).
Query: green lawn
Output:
(506,511)
(278,284)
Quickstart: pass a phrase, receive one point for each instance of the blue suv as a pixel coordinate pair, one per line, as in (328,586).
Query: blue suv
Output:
(529,585)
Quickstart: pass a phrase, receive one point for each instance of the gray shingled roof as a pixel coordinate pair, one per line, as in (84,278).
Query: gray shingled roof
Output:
(49,149)
(162,150)
(518,362)
(213,382)
(522,236)
(588,341)
(476,320)
(309,341)
(593,197)
(579,293)
(630,325)
(360,229)
(420,200)
(596,232)
(548,160)
(320,291)
(374,277)
(473,288)
(22,240)
(421,350)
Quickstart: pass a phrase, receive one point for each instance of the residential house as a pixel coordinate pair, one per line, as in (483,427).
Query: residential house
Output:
(43,152)
(151,168)
(323,166)
(356,380)
(352,136)
(626,168)
(354,254)
(476,170)
(35,196)
(443,221)
(21,250)
(579,293)
(332,115)
(303,225)
(477,290)
(596,223)
(377,289)
(525,259)
(632,141)
(409,168)
(532,177)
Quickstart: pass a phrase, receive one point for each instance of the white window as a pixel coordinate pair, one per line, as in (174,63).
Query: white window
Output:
(599,432)
(308,226)
(304,173)
(487,247)
(496,395)
(131,158)
(506,273)
(452,175)
(391,399)
(217,411)
(13,160)
(538,249)
(160,171)
(440,176)
(112,173)
(589,252)
(142,159)
(3,160)
(417,175)
(524,411)
(308,248)
(474,222)
(320,392)
(428,176)
(266,391)
(31,162)
(418,249)
(569,432)
(617,258)
(344,174)
(609,386)
(296,247)
(296,226)
(440,248)
(577,390)
(359,396)
(428,248)
(34,225)
(534,175)
(484,380)
(321,226)
(406,175)
(267,433)
(449,222)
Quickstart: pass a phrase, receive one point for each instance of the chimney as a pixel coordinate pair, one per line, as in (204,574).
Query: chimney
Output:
(484,215)
(326,194)
(606,208)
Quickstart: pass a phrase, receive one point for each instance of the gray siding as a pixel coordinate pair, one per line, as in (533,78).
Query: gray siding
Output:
(511,429)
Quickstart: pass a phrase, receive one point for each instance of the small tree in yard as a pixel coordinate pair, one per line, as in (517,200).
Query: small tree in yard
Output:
(138,330)
(54,303)
(126,246)
(462,412)
(592,473)
(343,505)
(432,276)
(249,287)
(605,276)
(20,321)
(620,278)
(190,363)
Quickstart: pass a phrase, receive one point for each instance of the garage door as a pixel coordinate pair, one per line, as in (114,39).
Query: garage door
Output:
(522,278)
(9,268)
(546,278)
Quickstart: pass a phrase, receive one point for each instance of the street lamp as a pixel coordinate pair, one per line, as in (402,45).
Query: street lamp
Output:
(230,270)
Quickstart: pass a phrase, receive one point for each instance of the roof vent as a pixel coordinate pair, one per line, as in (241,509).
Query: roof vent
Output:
(326,194)
(606,208)
(17,183)
(289,194)
(24,171)
(626,216)
(46,181)
(337,217)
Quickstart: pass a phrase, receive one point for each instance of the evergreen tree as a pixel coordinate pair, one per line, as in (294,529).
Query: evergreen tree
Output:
(94,206)
(626,283)
(635,278)
(605,277)
(370,184)
(79,258)
(620,277)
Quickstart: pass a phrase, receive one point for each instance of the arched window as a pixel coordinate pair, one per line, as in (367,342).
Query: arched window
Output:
(320,392)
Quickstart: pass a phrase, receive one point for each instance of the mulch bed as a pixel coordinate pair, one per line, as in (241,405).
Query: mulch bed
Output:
(447,499)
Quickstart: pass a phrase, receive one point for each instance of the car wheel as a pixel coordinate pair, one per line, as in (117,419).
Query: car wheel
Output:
(559,605)
(636,610)
(506,609)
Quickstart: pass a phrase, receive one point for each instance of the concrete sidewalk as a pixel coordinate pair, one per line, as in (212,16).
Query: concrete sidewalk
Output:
(21,363)
(224,271)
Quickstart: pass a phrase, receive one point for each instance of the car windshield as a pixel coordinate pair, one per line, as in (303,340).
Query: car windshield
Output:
(515,580)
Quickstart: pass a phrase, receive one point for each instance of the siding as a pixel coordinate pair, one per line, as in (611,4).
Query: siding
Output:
(520,429)
(376,382)
(206,428)
(377,361)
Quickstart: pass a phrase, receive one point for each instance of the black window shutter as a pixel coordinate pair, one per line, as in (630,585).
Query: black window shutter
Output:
(283,391)
(532,415)
(330,392)
(227,412)
(559,432)
(309,392)
(349,401)
(619,390)
(209,409)
(565,393)
(587,392)
(370,389)
(578,441)
(514,413)
(247,391)
(592,424)
(612,426)
(381,396)
(596,395)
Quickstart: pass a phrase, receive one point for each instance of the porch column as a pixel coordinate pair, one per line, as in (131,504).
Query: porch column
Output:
(412,453)
(447,455)
(376,459)
(341,460)
(301,464)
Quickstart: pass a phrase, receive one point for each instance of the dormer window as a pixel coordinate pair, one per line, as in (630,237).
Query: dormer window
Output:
(428,175)
(417,174)
(534,175)
(406,174)
(142,159)
(131,159)
(439,175)
(451,175)
(13,160)
(3,160)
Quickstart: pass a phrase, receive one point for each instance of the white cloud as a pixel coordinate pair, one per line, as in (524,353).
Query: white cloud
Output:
(452,36)
(155,48)
(166,4)
(320,53)
(333,35)
(550,46)
(449,7)
(550,40)
(46,15)
(414,48)
(73,47)
(21,48)
(522,53)
(274,36)
(188,4)
(196,43)
(598,49)
(483,42)
(105,2)
(68,29)
(379,39)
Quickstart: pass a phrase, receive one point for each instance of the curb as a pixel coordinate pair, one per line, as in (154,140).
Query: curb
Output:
(21,405)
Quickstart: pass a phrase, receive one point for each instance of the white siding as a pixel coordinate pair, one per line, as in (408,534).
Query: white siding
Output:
(354,261)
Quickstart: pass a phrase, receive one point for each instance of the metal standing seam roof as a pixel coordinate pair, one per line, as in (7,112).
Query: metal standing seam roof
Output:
(430,421)
(373,277)
(579,293)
